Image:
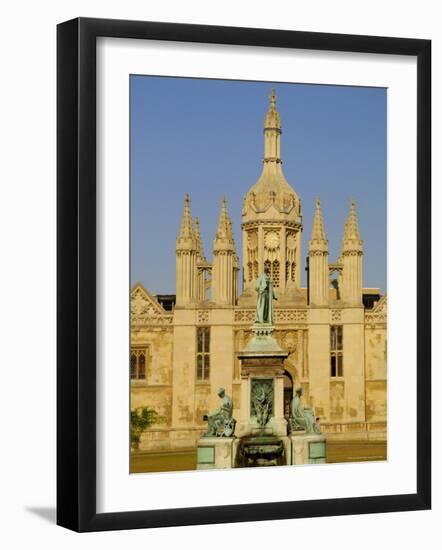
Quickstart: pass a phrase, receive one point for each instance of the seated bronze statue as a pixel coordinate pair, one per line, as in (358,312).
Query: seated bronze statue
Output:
(302,418)
(221,422)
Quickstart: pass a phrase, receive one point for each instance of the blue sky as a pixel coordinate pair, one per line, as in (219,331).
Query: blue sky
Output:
(205,138)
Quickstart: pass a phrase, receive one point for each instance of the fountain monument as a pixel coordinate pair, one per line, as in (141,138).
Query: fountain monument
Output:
(262,436)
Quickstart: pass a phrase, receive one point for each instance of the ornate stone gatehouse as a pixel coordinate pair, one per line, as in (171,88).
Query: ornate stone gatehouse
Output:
(184,346)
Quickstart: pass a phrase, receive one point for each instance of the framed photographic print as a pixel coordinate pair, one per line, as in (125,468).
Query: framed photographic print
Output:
(243,274)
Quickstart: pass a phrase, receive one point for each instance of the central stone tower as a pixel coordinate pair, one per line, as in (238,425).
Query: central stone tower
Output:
(272,222)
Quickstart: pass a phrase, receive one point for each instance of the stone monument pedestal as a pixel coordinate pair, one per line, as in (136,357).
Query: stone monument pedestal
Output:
(261,430)
(214,453)
(307,449)
(262,366)
(262,426)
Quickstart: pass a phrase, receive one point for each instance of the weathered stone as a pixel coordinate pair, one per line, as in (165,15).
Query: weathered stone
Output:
(295,348)
(215,453)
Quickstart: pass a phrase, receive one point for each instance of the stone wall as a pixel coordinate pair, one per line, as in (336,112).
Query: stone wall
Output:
(351,407)
(376,373)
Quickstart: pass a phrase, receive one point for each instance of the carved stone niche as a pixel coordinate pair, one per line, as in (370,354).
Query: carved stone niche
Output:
(257,367)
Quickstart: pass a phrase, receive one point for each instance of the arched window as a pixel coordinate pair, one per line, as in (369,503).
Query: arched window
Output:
(203,353)
(138,359)
(273,268)
(288,393)
(275,273)
(336,352)
(141,365)
(133,365)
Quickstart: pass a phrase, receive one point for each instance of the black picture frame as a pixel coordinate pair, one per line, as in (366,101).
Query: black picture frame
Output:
(76,273)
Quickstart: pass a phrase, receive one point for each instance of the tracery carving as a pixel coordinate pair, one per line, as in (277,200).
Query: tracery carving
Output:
(287,339)
(145,310)
(378,315)
(291,315)
(290,266)
(203,316)
(244,315)
(281,315)
(252,255)
(261,201)
(336,315)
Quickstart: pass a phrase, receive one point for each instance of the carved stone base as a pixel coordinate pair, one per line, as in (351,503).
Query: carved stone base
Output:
(278,426)
(275,426)
(262,385)
(263,450)
(262,342)
(308,449)
(214,453)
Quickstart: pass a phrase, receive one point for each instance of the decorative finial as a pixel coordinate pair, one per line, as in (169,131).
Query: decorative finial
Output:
(199,242)
(224,232)
(186,229)
(351,239)
(318,239)
(272,122)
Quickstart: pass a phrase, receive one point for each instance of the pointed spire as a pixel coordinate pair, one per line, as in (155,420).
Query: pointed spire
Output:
(223,228)
(186,234)
(272,119)
(230,227)
(272,133)
(318,231)
(318,240)
(199,242)
(351,240)
(231,235)
(224,233)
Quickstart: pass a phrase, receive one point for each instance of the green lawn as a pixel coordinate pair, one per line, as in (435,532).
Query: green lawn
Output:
(356,451)
(337,451)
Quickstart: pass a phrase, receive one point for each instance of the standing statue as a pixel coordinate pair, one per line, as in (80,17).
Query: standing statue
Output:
(266,295)
(302,419)
(221,422)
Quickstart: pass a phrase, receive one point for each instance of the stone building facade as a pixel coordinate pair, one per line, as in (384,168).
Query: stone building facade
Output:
(184,346)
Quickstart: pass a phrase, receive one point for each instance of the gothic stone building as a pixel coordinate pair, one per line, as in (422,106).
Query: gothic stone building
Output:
(184,346)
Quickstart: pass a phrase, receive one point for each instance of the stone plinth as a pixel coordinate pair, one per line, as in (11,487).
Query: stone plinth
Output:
(262,364)
(214,453)
(308,449)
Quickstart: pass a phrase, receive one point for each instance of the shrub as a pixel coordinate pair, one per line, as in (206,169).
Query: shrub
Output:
(141,419)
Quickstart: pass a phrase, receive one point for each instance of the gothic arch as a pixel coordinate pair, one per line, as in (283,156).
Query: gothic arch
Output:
(288,392)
